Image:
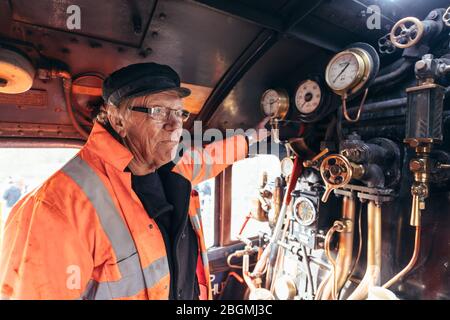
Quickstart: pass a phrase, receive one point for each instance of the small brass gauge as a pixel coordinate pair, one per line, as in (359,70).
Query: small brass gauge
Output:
(305,212)
(286,166)
(275,103)
(308,96)
(348,71)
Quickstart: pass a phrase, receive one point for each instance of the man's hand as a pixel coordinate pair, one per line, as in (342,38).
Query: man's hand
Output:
(259,133)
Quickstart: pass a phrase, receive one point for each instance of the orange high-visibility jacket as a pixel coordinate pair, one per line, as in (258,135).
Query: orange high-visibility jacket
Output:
(84,234)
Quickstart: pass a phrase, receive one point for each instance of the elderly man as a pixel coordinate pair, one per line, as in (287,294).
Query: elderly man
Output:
(119,221)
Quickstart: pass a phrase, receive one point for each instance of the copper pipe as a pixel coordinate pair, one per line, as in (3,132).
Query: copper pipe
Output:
(345,252)
(245,273)
(231,256)
(67,84)
(411,263)
(361,105)
(372,275)
(358,255)
(328,238)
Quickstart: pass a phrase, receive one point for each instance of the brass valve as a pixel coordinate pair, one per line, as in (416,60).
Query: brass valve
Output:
(407,32)
(419,192)
(420,167)
(336,172)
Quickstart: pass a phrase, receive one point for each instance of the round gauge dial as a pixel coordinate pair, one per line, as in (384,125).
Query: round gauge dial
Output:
(308,96)
(343,71)
(305,212)
(348,71)
(286,166)
(275,103)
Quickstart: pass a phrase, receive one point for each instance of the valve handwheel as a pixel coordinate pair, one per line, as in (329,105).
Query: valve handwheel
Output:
(407,32)
(446,17)
(336,172)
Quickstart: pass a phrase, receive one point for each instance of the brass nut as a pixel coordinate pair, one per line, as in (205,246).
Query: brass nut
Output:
(416,165)
(419,190)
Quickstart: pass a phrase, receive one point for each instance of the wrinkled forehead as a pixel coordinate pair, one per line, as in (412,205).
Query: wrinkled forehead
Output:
(168,99)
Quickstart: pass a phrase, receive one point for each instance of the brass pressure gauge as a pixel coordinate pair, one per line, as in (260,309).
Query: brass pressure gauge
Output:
(286,166)
(275,103)
(348,71)
(305,211)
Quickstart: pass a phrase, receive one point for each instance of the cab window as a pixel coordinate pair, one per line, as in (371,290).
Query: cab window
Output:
(26,169)
(206,193)
(246,175)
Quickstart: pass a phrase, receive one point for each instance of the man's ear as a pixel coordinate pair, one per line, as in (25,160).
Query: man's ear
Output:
(117,121)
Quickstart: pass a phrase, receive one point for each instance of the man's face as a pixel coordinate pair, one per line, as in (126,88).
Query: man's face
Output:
(154,142)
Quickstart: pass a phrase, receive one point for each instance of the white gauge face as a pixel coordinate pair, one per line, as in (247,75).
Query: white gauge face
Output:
(343,71)
(305,211)
(307,97)
(274,103)
(286,166)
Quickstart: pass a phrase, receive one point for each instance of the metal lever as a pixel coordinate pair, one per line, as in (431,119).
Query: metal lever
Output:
(443,166)
(315,161)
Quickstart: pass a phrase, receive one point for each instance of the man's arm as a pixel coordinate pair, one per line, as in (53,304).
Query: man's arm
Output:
(200,164)
(42,256)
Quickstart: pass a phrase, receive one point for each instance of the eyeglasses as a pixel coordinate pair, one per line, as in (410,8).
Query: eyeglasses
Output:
(162,114)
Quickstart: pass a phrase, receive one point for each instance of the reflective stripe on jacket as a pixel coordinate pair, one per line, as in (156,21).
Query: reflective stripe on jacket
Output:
(84,234)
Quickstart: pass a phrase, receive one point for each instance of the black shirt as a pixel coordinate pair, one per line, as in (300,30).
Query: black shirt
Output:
(179,236)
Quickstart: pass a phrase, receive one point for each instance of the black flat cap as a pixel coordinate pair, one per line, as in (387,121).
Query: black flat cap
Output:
(141,79)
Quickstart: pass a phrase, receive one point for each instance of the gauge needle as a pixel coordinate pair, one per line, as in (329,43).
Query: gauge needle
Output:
(272,102)
(301,107)
(347,64)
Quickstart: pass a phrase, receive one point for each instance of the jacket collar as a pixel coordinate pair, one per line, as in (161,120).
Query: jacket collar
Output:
(107,148)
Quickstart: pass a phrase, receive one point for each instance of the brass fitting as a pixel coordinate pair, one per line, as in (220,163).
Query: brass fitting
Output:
(419,191)
(314,162)
(358,170)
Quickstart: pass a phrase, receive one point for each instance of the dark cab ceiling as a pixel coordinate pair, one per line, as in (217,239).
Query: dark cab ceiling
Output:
(229,52)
